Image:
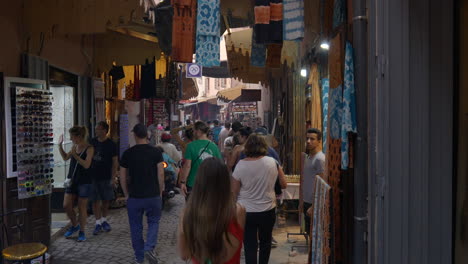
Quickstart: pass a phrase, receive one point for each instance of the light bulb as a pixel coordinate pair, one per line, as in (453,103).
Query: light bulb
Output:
(325,46)
(304,73)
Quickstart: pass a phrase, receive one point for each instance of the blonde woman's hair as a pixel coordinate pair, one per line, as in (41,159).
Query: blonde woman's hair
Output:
(79,131)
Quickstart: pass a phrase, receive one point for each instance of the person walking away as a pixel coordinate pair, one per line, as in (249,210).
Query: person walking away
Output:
(244,133)
(104,172)
(142,180)
(223,134)
(79,180)
(271,153)
(253,183)
(196,152)
(169,148)
(216,130)
(314,164)
(211,226)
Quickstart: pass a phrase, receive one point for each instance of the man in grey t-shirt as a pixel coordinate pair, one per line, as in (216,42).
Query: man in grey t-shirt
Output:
(314,164)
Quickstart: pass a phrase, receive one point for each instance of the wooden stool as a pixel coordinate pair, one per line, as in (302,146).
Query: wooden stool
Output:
(25,252)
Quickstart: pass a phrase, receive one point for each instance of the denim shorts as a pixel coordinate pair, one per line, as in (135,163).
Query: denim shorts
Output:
(82,190)
(102,191)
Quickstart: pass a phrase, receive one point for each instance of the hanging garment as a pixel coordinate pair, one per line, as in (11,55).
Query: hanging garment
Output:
(335,62)
(348,123)
(262,21)
(339,13)
(290,53)
(320,236)
(316,107)
(276,21)
(328,17)
(335,112)
(148,79)
(161,67)
(293,15)
(273,55)
(258,53)
(333,162)
(208,41)
(183,27)
(268,21)
(325,89)
(137,84)
(163,14)
(117,73)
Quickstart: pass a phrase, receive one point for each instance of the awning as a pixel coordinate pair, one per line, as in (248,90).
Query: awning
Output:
(189,89)
(240,94)
(217,72)
(228,95)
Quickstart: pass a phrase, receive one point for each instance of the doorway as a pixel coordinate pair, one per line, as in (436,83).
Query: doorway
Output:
(461,211)
(63,120)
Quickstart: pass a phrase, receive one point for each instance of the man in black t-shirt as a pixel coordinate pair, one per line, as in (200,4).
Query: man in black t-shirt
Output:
(142,181)
(103,170)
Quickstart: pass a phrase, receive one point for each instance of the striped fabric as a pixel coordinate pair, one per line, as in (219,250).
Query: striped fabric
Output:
(293,19)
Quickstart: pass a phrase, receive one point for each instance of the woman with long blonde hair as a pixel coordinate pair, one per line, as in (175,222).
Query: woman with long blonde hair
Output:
(211,229)
(79,181)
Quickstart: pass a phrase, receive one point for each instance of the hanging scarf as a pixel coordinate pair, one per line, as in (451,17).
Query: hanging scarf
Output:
(293,24)
(349,106)
(208,41)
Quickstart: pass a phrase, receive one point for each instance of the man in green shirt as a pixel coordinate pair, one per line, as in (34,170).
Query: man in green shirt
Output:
(196,152)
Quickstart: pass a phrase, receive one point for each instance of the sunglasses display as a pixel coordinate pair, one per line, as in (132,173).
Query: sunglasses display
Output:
(33,159)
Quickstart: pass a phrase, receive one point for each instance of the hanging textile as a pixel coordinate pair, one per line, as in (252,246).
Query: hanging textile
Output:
(163,14)
(137,83)
(335,62)
(148,80)
(293,24)
(320,236)
(325,89)
(258,53)
(327,16)
(335,112)
(339,13)
(316,106)
(348,124)
(161,67)
(262,21)
(333,162)
(276,21)
(268,21)
(183,27)
(273,55)
(207,42)
(290,53)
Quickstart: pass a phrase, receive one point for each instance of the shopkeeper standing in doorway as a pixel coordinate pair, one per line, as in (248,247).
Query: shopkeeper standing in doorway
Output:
(104,173)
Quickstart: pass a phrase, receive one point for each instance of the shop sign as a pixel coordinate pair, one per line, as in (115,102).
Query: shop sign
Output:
(194,70)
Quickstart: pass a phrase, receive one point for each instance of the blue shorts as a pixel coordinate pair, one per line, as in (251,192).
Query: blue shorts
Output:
(102,191)
(82,190)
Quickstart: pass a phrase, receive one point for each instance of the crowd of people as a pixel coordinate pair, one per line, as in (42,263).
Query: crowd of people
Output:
(230,175)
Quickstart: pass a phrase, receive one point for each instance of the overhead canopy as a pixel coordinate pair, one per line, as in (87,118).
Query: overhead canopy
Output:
(240,94)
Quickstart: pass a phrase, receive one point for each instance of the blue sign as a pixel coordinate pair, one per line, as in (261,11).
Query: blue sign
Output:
(194,70)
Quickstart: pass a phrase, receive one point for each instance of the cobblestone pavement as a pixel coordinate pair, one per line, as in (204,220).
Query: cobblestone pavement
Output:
(115,247)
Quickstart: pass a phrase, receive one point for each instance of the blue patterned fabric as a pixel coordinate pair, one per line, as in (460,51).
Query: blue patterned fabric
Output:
(335,111)
(258,53)
(325,88)
(349,106)
(339,13)
(208,37)
(293,19)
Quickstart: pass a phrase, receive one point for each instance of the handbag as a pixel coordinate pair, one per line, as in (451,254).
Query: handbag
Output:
(68,182)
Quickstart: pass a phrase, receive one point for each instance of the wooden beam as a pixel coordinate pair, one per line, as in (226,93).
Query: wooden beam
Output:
(133,33)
